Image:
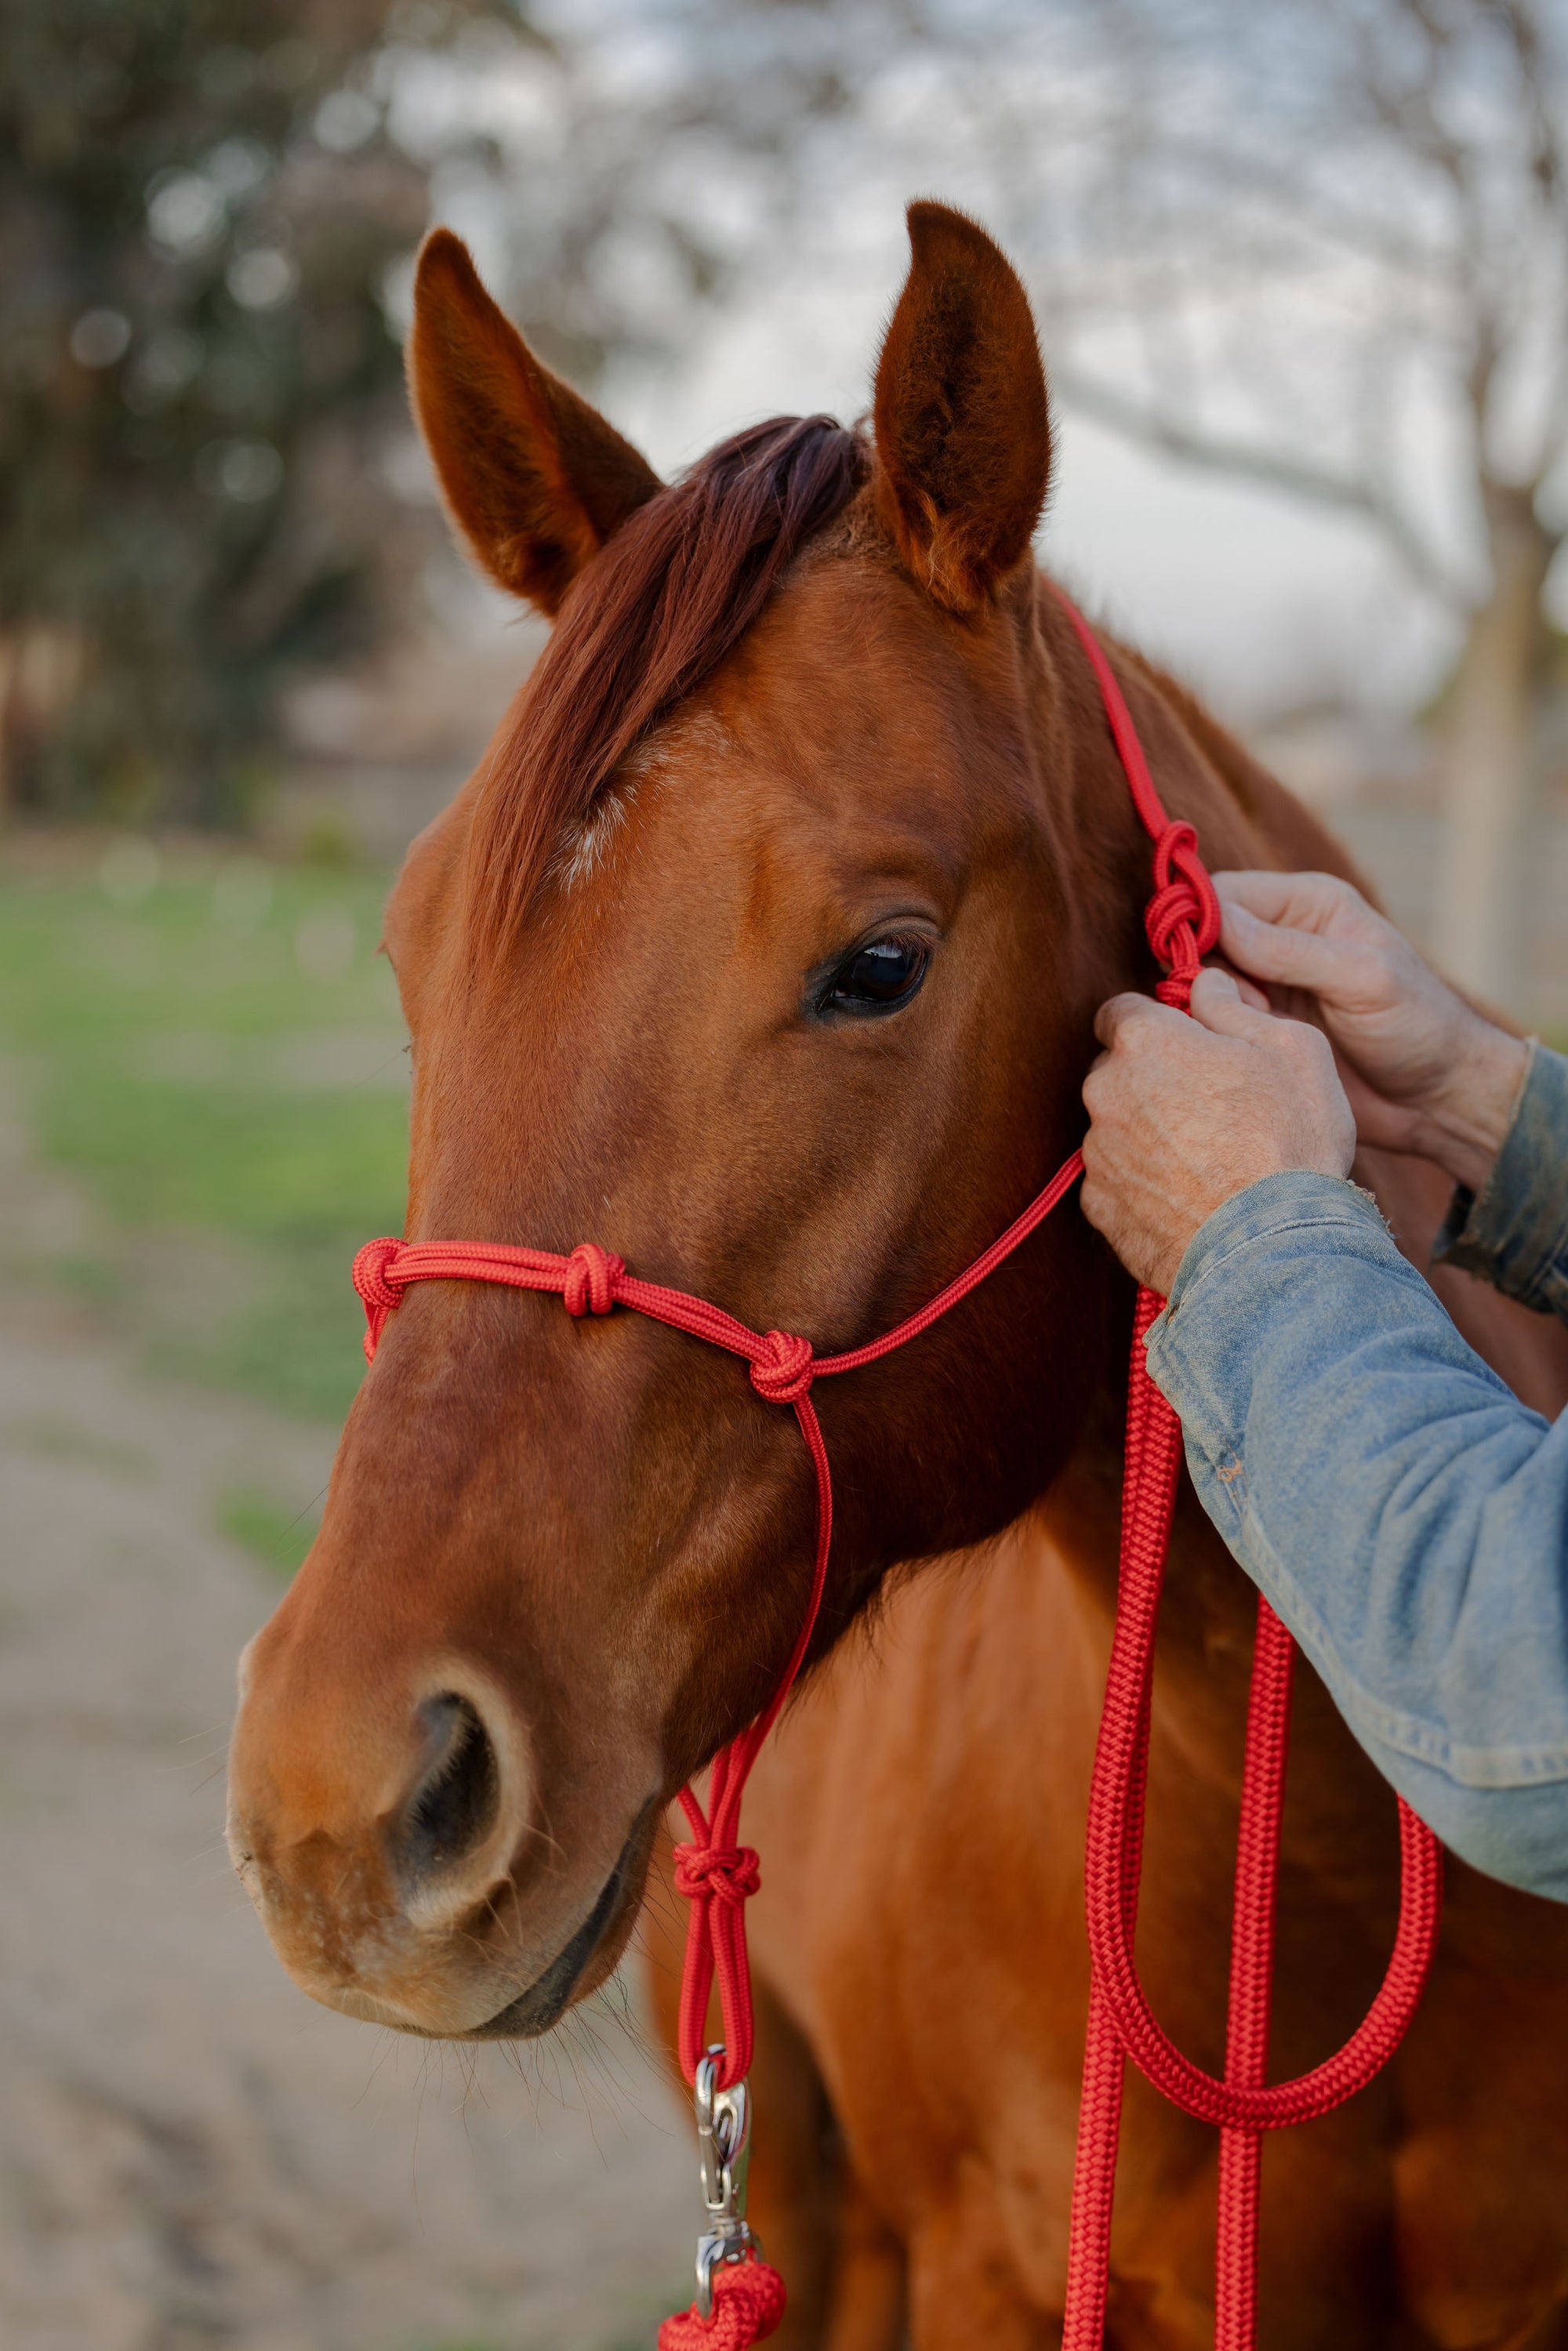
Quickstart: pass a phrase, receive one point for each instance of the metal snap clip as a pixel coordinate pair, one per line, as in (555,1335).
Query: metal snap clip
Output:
(724,2158)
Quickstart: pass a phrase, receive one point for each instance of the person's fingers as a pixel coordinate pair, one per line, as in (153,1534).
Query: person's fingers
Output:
(1250,993)
(1288,957)
(1304,901)
(1218,1004)
(1120,1013)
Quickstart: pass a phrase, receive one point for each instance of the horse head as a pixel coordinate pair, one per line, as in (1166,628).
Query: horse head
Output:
(761,951)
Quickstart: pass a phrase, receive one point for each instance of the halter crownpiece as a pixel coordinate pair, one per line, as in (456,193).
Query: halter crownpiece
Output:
(740,2298)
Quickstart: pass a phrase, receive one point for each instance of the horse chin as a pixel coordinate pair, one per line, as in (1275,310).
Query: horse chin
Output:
(587,1959)
(424,1984)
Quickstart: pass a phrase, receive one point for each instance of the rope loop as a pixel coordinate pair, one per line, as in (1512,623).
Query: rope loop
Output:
(782,1369)
(377,1294)
(371,1275)
(1181,918)
(591,1274)
(725,1873)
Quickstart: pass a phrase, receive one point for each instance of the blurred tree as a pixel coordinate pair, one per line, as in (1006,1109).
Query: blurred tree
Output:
(207,208)
(198,200)
(1324,248)
(660,156)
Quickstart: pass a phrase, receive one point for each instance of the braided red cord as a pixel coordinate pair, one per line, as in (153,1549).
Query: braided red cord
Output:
(747,2304)
(717,1875)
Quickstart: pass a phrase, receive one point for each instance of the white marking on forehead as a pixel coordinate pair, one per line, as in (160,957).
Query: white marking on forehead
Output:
(585,846)
(688,729)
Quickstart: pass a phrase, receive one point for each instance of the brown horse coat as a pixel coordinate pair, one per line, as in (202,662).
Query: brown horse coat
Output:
(809,702)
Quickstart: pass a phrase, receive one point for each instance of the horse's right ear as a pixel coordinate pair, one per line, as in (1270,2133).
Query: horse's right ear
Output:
(534,479)
(963,438)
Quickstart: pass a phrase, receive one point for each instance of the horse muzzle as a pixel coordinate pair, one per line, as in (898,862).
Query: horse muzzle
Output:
(395,1850)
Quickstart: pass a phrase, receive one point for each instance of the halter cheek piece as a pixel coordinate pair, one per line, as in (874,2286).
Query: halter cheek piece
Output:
(739,2298)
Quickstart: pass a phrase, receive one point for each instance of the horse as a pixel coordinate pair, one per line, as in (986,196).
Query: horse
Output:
(763,948)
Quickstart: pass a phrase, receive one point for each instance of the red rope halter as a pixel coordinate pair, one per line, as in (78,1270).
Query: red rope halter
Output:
(718,1874)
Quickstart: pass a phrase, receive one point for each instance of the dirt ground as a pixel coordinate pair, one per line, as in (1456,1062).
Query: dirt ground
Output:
(193,2155)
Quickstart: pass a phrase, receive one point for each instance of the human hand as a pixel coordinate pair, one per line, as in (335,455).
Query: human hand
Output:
(1185,1112)
(1425,1073)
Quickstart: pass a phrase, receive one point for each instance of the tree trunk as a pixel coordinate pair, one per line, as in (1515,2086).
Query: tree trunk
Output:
(1478,934)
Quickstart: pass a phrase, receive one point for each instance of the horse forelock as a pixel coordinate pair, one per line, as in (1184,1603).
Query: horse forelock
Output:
(650,618)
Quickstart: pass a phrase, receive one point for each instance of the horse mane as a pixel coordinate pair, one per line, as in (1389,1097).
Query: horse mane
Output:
(651,616)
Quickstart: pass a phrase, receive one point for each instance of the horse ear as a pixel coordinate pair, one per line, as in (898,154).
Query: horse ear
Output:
(535,479)
(963,438)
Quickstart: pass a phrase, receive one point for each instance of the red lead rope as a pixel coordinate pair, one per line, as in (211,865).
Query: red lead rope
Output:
(1120,2023)
(718,1874)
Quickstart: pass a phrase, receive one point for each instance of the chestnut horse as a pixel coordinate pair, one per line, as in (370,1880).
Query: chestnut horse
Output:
(764,948)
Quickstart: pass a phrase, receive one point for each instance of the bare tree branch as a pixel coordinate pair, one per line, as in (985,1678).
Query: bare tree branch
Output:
(1194,444)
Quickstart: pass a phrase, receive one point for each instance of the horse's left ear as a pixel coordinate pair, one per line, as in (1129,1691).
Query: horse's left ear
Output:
(963,439)
(535,479)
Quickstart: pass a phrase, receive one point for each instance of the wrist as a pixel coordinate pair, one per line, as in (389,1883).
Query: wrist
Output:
(1464,1127)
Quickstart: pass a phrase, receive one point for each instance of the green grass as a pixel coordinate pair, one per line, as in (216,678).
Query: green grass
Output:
(217,1056)
(52,1438)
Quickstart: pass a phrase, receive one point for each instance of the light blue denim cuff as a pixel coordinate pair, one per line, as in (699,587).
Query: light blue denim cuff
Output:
(1274,1204)
(1515,1231)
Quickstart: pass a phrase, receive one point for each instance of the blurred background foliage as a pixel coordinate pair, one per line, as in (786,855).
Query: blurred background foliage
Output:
(198,381)
(214,1065)
(207,213)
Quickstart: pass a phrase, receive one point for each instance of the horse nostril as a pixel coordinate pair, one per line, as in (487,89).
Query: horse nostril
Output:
(453,1808)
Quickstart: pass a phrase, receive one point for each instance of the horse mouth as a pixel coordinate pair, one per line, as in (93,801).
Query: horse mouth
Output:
(542,2006)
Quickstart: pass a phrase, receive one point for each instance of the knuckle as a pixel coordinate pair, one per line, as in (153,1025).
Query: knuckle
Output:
(1306,1049)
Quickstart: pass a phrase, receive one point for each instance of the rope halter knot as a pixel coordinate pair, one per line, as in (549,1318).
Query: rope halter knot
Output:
(591,1274)
(1181,918)
(782,1369)
(721,1873)
(378,1294)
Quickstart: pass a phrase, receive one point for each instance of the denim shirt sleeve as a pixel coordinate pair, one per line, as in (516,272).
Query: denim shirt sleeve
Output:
(1402,1512)
(1515,1231)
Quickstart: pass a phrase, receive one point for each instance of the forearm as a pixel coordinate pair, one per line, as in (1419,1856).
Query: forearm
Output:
(1401,1510)
(1513,1231)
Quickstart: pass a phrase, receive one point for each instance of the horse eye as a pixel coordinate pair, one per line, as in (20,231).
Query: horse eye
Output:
(879,976)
